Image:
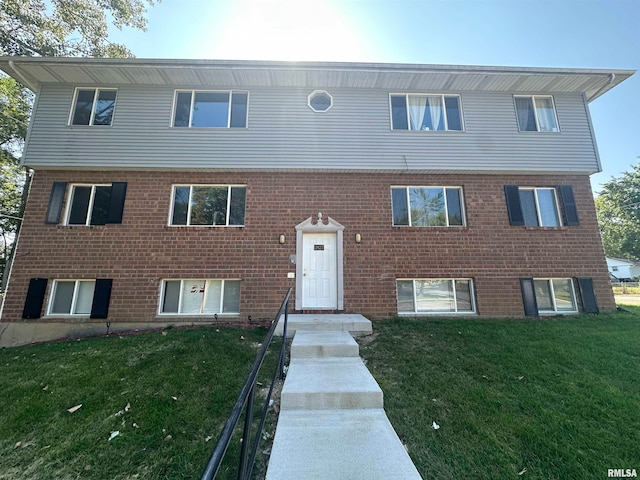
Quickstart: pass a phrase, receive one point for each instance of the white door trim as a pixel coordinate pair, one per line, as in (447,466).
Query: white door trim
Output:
(319,227)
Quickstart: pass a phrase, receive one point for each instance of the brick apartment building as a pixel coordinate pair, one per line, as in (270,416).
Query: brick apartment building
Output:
(170,191)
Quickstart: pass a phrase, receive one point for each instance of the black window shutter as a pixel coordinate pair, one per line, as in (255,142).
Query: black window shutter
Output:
(569,205)
(55,202)
(116,207)
(589,304)
(101,297)
(512,194)
(35,298)
(529,297)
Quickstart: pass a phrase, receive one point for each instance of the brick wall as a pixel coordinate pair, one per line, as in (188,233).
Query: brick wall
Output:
(142,250)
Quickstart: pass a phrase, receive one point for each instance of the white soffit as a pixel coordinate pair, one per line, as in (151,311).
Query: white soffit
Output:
(392,77)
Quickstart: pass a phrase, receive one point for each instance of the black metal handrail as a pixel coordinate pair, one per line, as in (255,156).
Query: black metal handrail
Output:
(247,395)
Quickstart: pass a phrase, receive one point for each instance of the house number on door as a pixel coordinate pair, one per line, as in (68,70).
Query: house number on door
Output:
(318,247)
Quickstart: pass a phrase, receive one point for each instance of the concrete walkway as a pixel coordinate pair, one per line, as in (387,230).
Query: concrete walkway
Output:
(332,424)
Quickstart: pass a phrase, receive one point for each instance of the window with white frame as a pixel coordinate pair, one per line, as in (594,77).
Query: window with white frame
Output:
(555,295)
(88,204)
(425,112)
(208,205)
(435,295)
(536,113)
(93,106)
(210,109)
(71,297)
(427,206)
(200,297)
(539,207)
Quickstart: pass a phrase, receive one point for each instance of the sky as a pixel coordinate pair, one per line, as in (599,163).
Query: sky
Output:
(526,33)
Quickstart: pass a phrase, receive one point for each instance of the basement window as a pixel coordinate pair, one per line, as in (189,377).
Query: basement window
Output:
(200,297)
(72,297)
(435,295)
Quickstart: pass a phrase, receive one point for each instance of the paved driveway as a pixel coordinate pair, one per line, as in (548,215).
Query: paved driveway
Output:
(628,299)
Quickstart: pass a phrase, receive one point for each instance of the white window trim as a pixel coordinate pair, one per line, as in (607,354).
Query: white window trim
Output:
(555,310)
(446,206)
(193,96)
(455,298)
(207,281)
(191,185)
(93,106)
(316,92)
(444,111)
(535,113)
(537,205)
(74,300)
(67,210)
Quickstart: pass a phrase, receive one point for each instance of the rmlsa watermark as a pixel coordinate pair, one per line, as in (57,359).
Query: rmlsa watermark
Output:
(622,473)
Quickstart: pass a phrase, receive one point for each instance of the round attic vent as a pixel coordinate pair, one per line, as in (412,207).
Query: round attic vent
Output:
(320,101)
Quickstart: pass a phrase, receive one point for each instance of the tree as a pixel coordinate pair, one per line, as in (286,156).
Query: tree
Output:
(618,208)
(47,28)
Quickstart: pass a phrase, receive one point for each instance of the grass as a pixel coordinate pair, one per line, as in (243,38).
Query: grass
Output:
(556,398)
(167,394)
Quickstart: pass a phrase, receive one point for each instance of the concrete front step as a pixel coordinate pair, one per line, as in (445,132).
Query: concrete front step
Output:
(308,344)
(348,322)
(329,383)
(338,444)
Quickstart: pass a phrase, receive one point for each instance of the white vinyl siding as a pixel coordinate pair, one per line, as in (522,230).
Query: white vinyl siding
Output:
(285,133)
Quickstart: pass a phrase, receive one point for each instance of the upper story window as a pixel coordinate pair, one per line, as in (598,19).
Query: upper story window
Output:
(540,206)
(320,101)
(210,109)
(427,206)
(536,113)
(93,106)
(425,112)
(208,205)
(90,204)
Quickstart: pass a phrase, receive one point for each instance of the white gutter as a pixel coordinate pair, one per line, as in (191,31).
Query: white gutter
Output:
(612,77)
(23,80)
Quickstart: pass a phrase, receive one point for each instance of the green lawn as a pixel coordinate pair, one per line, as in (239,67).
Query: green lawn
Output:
(167,394)
(557,398)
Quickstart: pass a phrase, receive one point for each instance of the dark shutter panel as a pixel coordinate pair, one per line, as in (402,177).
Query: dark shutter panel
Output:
(116,207)
(568,206)
(512,194)
(589,304)
(35,298)
(529,297)
(101,297)
(55,202)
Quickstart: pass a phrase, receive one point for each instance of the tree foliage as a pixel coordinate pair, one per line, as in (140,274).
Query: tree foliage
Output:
(618,207)
(67,28)
(47,28)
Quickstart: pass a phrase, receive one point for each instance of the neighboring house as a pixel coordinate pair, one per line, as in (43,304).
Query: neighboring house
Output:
(170,191)
(623,270)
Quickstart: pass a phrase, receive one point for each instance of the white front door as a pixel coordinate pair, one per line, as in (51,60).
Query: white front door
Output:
(319,271)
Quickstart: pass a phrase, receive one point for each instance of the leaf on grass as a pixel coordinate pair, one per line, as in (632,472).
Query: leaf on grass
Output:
(485,377)
(164,333)
(206,439)
(113,435)
(135,425)
(521,377)
(127,407)
(17,444)
(521,472)
(435,426)
(168,438)
(45,388)
(175,398)
(74,409)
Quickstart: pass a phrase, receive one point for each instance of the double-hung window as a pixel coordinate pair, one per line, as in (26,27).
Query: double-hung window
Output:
(210,109)
(435,295)
(536,113)
(90,204)
(93,106)
(425,112)
(200,297)
(541,206)
(208,205)
(427,206)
